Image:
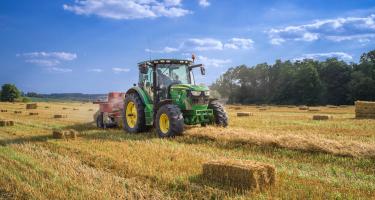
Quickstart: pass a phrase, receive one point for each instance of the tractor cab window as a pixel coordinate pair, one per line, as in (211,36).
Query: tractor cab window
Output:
(173,74)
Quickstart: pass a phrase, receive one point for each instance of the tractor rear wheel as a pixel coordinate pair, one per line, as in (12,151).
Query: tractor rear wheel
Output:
(134,120)
(169,121)
(220,116)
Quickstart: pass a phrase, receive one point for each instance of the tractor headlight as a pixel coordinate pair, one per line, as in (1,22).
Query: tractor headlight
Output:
(206,93)
(196,93)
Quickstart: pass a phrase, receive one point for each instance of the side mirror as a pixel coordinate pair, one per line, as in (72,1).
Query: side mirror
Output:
(203,70)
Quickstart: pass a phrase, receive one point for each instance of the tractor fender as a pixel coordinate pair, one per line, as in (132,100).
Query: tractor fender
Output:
(164,102)
(142,94)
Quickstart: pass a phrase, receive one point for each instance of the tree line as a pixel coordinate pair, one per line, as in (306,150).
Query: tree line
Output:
(306,82)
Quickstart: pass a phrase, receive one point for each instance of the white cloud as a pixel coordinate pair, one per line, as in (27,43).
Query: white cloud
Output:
(58,69)
(95,70)
(202,44)
(47,59)
(128,9)
(164,50)
(239,43)
(340,29)
(319,56)
(119,70)
(212,62)
(204,3)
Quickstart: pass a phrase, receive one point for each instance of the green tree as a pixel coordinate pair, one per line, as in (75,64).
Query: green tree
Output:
(335,77)
(9,92)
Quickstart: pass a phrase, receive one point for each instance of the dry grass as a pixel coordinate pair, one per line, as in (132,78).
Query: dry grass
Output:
(331,159)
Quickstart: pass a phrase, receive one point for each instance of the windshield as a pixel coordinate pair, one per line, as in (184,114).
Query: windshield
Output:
(174,73)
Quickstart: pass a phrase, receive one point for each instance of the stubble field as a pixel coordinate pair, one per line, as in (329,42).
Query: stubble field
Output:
(333,159)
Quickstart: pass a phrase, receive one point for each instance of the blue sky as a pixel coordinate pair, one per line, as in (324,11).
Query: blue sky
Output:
(93,46)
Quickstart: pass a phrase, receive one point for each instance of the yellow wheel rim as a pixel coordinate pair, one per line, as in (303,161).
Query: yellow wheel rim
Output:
(131,114)
(164,123)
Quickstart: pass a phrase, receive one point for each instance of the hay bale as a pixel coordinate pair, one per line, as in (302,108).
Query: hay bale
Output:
(64,134)
(6,123)
(263,109)
(91,109)
(31,106)
(244,114)
(64,108)
(75,109)
(248,175)
(59,116)
(33,113)
(291,106)
(46,107)
(303,108)
(331,106)
(17,112)
(4,111)
(321,117)
(365,109)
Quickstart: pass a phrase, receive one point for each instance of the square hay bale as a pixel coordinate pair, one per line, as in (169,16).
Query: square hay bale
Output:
(64,134)
(331,106)
(17,112)
(263,109)
(31,106)
(75,109)
(33,113)
(365,109)
(303,108)
(6,123)
(46,107)
(64,108)
(247,175)
(291,106)
(91,109)
(244,114)
(59,116)
(4,110)
(321,117)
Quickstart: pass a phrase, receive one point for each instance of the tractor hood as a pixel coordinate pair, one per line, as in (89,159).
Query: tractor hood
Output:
(190,87)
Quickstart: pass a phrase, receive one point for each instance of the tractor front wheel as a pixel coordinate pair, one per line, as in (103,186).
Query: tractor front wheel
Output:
(134,120)
(220,116)
(169,121)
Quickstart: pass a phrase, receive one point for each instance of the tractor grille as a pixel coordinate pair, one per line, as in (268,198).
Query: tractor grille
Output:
(199,100)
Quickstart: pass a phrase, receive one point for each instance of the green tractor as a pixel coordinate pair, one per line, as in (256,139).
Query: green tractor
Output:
(167,98)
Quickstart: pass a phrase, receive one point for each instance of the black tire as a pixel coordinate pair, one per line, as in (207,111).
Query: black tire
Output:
(220,116)
(176,120)
(99,121)
(140,124)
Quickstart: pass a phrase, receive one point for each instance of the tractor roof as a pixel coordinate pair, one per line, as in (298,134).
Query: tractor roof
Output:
(166,61)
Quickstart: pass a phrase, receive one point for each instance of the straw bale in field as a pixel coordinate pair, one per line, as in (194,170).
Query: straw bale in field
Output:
(75,109)
(17,112)
(331,106)
(321,117)
(6,123)
(64,134)
(4,110)
(248,175)
(91,109)
(303,108)
(46,107)
(365,109)
(33,113)
(291,106)
(314,109)
(31,106)
(64,108)
(244,114)
(59,116)
(263,109)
